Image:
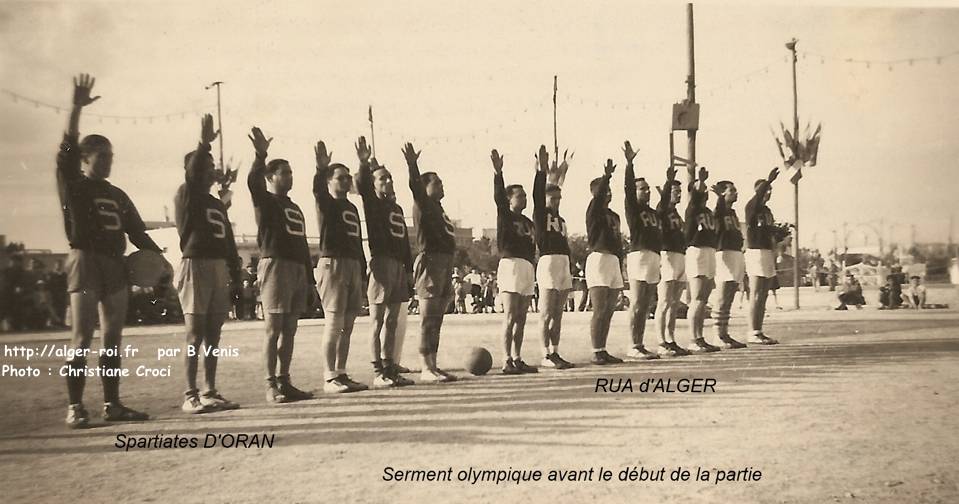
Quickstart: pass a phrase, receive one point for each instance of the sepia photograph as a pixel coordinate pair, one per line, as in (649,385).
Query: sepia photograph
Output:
(479,252)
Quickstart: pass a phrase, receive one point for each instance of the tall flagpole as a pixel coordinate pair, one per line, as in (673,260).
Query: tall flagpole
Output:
(372,137)
(555,136)
(791,45)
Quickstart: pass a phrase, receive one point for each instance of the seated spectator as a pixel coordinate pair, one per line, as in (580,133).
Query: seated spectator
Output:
(850,293)
(890,295)
(915,294)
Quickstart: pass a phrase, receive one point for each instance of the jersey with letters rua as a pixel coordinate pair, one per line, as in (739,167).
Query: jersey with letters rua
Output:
(729,231)
(281,227)
(602,224)
(645,231)
(550,227)
(339,220)
(201,220)
(700,222)
(514,231)
(759,221)
(96,214)
(385,222)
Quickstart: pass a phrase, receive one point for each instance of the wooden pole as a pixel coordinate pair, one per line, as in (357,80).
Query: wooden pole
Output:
(792,47)
(372,136)
(691,84)
(555,136)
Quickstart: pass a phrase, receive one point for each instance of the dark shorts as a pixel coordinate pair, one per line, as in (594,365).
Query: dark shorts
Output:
(89,271)
(433,274)
(389,281)
(339,282)
(283,285)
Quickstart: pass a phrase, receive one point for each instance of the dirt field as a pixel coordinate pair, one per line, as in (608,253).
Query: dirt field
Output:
(857,406)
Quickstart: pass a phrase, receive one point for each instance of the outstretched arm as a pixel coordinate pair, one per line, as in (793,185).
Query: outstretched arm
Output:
(499,185)
(599,197)
(256,180)
(539,181)
(364,176)
(416,181)
(194,175)
(629,182)
(664,192)
(68,159)
(82,87)
(321,190)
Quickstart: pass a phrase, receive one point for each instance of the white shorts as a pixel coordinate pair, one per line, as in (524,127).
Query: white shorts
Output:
(515,275)
(603,270)
(673,266)
(760,263)
(730,266)
(701,261)
(552,272)
(643,266)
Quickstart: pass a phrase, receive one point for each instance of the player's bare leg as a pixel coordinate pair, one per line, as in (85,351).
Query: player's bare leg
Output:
(285,356)
(432,311)
(666,311)
(83,306)
(275,324)
(399,339)
(727,294)
(515,306)
(113,314)
(699,290)
(757,310)
(604,304)
(641,294)
(195,325)
(551,323)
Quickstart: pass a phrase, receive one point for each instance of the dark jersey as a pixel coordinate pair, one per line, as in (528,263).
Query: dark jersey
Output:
(385,223)
(645,231)
(514,231)
(674,230)
(550,227)
(602,224)
(434,230)
(759,221)
(96,215)
(339,220)
(202,221)
(281,227)
(728,228)
(700,222)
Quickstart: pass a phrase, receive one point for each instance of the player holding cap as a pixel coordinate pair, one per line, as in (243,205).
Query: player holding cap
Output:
(390,263)
(552,271)
(672,265)
(700,259)
(210,266)
(514,239)
(604,276)
(285,270)
(760,259)
(643,261)
(730,262)
(341,267)
(433,267)
(96,216)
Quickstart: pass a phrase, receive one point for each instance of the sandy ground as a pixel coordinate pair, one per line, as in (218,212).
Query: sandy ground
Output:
(857,406)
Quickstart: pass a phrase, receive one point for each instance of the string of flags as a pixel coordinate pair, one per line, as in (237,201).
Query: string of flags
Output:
(878,63)
(133,119)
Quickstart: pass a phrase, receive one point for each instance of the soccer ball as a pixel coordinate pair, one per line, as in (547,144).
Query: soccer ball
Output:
(479,361)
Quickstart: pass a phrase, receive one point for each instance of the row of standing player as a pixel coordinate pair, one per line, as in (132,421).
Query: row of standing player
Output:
(97,215)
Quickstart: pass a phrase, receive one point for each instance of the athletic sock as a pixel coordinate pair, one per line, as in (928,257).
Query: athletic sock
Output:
(111,384)
(76,379)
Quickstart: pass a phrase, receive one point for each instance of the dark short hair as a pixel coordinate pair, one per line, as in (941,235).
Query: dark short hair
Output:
(380,167)
(333,168)
(189,155)
(428,177)
(513,188)
(639,179)
(674,183)
(553,188)
(915,276)
(91,143)
(593,184)
(722,185)
(759,183)
(275,165)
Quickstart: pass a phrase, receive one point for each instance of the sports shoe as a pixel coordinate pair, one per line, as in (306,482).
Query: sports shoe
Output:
(548,362)
(274,396)
(77,417)
(292,393)
(524,367)
(699,345)
(671,349)
(449,376)
(509,368)
(603,358)
(400,369)
(402,381)
(762,339)
(430,376)
(729,343)
(680,351)
(337,385)
(116,412)
(637,354)
(355,386)
(193,405)
(213,399)
(381,380)
(561,363)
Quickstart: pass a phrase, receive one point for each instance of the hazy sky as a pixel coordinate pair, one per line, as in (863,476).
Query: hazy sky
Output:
(460,78)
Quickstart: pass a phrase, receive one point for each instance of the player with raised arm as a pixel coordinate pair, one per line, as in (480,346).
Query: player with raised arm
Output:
(390,263)
(96,216)
(643,261)
(604,275)
(514,239)
(672,265)
(700,259)
(209,268)
(433,267)
(552,270)
(730,262)
(341,268)
(760,258)
(285,271)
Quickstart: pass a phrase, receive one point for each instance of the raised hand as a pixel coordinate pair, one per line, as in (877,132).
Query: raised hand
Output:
(629,152)
(323,157)
(542,159)
(610,167)
(772,175)
(207,134)
(82,86)
(715,188)
(410,154)
(260,143)
(671,173)
(557,174)
(497,161)
(703,174)
(363,150)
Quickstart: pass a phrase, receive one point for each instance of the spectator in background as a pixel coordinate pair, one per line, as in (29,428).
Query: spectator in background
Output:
(13,297)
(460,288)
(57,285)
(890,295)
(474,287)
(915,294)
(850,293)
(489,293)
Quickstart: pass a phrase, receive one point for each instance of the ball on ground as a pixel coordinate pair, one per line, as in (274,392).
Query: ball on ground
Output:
(479,361)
